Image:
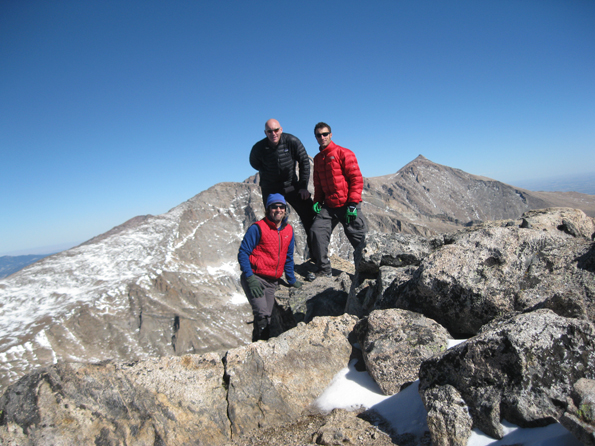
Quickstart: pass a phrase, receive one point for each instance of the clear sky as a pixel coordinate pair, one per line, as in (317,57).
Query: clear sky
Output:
(111,109)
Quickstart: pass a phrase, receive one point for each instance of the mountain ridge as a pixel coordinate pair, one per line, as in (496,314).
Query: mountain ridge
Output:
(169,284)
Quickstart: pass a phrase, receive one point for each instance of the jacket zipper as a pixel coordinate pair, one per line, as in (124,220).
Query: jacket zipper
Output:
(279,253)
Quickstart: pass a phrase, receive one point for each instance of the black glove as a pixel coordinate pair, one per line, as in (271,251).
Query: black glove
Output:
(255,286)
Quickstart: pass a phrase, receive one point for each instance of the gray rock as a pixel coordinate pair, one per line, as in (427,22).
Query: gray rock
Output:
(326,296)
(272,382)
(174,401)
(573,222)
(345,428)
(396,250)
(579,417)
(480,274)
(395,343)
(367,294)
(448,418)
(521,369)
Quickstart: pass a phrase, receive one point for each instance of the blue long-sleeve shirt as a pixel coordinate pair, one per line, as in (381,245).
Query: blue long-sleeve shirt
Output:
(251,239)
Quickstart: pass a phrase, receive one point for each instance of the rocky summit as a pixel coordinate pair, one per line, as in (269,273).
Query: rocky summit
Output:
(141,335)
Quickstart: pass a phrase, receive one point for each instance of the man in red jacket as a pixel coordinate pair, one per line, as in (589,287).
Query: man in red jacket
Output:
(338,185)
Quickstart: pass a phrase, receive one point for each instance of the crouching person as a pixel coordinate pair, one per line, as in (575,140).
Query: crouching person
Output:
(265,253)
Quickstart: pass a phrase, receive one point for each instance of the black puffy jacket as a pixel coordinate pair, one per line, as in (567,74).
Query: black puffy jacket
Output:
(277,165)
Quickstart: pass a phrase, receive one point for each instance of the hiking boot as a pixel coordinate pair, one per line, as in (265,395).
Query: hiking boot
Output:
(311,276)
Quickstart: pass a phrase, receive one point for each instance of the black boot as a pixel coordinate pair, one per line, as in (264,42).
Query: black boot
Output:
(262,326)
(255,332)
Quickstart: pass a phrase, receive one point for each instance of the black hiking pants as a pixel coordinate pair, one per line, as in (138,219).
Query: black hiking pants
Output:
(322,228)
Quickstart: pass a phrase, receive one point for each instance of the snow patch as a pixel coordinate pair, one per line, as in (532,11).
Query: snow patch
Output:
(238,299)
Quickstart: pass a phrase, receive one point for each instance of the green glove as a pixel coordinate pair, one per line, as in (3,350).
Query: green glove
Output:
(317,207)
(255,286)
(351,213)
(297,284)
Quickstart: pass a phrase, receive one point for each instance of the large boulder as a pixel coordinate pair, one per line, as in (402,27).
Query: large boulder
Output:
(522,369)
(207,399)
(273,382)
(172,400)
(395,343)
(478,274)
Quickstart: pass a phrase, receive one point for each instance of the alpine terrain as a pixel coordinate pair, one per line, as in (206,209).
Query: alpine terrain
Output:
(168,285)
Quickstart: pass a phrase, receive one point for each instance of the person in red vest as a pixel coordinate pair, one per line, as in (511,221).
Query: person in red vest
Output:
(266,252)
(338,185)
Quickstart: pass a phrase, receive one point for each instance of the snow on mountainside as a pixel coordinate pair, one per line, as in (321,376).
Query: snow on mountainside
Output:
(169,284)
(140,291)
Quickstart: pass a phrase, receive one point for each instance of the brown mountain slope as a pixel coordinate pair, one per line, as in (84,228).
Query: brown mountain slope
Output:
(438,197)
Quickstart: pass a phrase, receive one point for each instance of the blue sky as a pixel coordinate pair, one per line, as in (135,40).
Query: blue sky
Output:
(112,109)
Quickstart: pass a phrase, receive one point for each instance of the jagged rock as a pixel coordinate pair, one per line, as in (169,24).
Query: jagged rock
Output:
(521,370)
(448,418)
(480,274)
(573,222)
(345,428)
(395,343)
(367,293)
(579,417)
(326,296)
(173,401)
(340,427)
(178,400)
(272,382)
(382,259)
(397,250)
(362,295)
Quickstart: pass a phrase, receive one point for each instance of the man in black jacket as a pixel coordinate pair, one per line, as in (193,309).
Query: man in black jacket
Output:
(275,158)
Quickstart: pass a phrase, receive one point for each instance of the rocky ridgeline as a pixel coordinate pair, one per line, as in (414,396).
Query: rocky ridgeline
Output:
(169,284)
(521,292)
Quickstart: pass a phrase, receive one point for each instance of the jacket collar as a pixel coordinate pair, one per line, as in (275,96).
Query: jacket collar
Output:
(328,148)
(281,141)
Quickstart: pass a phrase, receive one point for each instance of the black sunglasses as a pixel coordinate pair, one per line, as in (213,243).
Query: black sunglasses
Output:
(318,135)
(273,130)
(277,206)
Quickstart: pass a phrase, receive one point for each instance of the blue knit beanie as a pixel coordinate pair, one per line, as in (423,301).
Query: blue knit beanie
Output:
(275,198)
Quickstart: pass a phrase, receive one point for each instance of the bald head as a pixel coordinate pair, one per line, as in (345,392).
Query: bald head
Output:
(273,131)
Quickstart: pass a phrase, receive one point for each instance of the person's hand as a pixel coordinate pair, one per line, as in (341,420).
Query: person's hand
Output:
(297,284)
(351,213)
(304,194)
(317,207)
(255,286)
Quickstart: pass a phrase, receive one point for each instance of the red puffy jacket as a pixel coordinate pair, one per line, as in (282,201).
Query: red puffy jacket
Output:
(337,178)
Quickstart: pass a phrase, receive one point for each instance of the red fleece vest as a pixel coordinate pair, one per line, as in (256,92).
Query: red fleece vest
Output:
(268,257)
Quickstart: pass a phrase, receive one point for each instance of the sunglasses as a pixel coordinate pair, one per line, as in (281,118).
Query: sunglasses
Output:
(321,134)
(277,206)
(273,130)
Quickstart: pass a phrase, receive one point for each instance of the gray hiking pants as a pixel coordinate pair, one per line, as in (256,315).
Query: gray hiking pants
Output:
(262,307)
(323,226)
